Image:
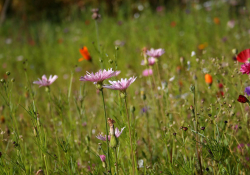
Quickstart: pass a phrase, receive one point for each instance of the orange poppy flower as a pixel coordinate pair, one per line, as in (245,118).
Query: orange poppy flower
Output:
(202,46)
(208,79)
(217,20)
(85,53)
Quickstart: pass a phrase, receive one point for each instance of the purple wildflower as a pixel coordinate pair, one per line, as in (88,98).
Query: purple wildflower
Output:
(147,72)
(151,61)
(155,52)
(117,134)
(120,85)
(99,76)
(245,68)
(102,157)
(247,90)
(44,81)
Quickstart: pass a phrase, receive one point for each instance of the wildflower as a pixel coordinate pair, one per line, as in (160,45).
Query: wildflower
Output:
(45,81)
(95,14)
(151,61)
(245,68)
(147,72)
(192,53)
(231,23)
(99,76)
(247,90)
(243,56)
(103,158)
(117,134)
(202,46)
(121,85)
(242,99)
(217,20)
(208,79)
(85,53)
(155,52)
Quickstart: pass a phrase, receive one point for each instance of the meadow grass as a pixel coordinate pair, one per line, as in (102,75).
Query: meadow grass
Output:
(54,129)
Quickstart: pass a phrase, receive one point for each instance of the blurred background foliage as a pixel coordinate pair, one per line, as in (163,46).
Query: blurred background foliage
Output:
(57,10)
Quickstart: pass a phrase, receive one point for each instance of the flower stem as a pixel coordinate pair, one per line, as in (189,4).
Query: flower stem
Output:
(46,165)
(131,147)
(197,136)
(104,108)
(116,162)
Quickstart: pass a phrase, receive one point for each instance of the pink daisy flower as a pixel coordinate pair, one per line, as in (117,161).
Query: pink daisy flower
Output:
(120,85)
(243,56)
(44,81)
(102,157)
(117,134)
(151,61)
(99,76)
(147,72)
(155,52)
(245,68)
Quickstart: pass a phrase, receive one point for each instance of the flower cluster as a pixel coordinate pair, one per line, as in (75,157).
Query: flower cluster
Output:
(244,57)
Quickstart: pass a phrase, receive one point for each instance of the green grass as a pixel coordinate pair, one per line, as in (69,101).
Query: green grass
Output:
(70,118)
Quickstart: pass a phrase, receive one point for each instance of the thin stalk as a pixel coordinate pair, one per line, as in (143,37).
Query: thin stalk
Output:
(161,101)
(116,162)
(104,108)
(197,136)
(131,147)
(46,165)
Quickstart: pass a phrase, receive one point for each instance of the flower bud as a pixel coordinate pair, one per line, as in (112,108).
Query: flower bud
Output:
(192,88)
(116,48)
(113,141)
(2,81)
(235,51)
(132,109)
(12,80)
(8,73)
(110,61)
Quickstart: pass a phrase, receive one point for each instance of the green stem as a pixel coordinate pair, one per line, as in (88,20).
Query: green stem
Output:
(46,165)
(116,162)
(131,147)
(197,136)
(104,108)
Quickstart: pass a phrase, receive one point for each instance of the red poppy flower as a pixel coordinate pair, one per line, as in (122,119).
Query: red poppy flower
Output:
(243,56)
(85,53)
(242,99)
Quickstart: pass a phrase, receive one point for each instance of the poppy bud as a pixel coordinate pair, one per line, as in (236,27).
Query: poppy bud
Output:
(8,73)
(192,88)
(242,99)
